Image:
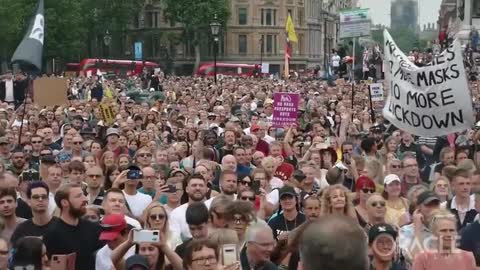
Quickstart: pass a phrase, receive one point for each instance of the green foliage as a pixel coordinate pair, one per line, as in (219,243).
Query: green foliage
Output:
(69,24)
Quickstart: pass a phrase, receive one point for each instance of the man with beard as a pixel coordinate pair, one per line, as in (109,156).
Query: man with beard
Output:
(37,194)
(71,234)
(228,186)
(311,207)
(196,190)
(8,204)
(18,162)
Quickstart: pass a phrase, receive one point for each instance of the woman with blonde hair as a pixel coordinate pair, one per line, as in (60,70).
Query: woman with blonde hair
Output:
(397,206)
(442,188)
(445,255)
(389,149)
(270,164)
(155,217)
(336,200)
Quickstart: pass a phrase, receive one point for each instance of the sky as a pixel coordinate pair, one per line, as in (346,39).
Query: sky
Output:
(380,10)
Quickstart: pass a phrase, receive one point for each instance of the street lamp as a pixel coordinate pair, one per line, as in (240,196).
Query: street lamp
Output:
(215,27)
(107,39)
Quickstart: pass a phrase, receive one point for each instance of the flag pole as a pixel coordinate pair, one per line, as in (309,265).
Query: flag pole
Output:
(353,75)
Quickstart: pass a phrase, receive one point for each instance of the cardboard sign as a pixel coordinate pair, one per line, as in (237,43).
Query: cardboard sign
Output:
(108,113)
(376,91)
(285,109)
(50,91)
(429,101)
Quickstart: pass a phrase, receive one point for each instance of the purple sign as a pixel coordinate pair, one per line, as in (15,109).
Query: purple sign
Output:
(285,107)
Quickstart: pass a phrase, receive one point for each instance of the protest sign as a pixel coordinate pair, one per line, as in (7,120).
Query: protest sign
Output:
(285,107)
(108,114)
(376,91)
(50,91)
(265,68)
(430,101)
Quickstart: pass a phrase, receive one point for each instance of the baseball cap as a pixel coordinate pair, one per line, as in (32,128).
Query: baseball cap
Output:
(254,128)
(112,131)
(136,260)
(427,197)
(3,140)
(286,190)
(112,226)
(391,178)
(379,229)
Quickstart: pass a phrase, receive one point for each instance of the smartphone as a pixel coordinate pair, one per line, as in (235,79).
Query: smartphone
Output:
(346,158)
(172,189)
(229,254)
(134,174)
(147,236)
(63,262)
(256,187)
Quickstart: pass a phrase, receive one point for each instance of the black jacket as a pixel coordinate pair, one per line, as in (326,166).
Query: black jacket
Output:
(245,265)
(19,88)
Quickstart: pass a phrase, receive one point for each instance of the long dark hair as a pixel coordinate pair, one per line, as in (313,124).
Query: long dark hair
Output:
(28,251)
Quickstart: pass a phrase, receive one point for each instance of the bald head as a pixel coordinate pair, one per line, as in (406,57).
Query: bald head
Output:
(229,163)
(334,243)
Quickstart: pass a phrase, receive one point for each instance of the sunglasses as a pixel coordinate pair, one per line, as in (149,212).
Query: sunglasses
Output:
(246,183)
(252,199)
(375,204)
(157,217)
(368,190)
(77,142)
(35,142)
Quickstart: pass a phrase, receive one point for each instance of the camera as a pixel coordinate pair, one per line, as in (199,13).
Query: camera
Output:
(134,173)
(30,175)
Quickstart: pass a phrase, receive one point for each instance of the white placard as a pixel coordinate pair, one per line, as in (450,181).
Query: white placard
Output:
(265,68)
(430,101)
(376,91)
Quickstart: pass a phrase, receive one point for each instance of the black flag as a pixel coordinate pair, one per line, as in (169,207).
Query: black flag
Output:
(30,51)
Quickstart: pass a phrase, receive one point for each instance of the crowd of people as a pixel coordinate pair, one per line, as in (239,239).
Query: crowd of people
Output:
(199,179)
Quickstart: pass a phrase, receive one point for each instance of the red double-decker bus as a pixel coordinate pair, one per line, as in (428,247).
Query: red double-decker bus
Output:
(228,69)
(119,67)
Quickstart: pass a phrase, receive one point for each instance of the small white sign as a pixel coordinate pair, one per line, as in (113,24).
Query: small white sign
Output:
(265,68)
(376,91)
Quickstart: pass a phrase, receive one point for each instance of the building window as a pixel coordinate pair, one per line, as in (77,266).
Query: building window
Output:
(242,16)
(269,44)
(300,15)
(269,17)
(151,19)
(242,44)
(476,9)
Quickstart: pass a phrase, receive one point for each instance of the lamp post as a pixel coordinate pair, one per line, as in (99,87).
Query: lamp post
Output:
(215,27)
(261,55)
(107,39)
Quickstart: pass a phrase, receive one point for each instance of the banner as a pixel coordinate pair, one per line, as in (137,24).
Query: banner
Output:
(285,107)
(430,101)
(376,91)
(29,52)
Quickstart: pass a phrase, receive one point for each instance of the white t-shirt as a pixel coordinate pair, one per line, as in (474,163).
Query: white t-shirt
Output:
(133,222)
(335,60)
(103,259)
(137,202)
(178,222)
(9,91)
(276,182)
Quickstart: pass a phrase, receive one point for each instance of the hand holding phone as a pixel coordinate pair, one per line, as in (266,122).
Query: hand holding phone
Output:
(229,254)
(63,262)
(146,236)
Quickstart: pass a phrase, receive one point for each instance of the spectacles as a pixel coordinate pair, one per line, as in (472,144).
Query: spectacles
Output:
(94,175)
(38,197)
(35,142)
(77,142)
(381,204)
(368,190)
(157,217)
(248,199)
(239,220)
(205,260)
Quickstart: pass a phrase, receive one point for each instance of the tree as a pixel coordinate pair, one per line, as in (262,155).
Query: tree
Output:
(195,17)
